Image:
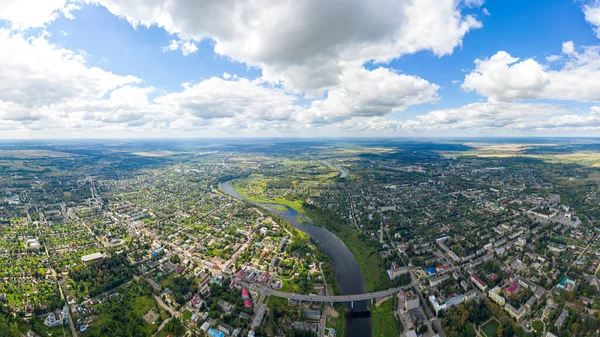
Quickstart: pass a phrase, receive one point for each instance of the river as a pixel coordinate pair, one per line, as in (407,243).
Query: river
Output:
(347,272)
(343,172)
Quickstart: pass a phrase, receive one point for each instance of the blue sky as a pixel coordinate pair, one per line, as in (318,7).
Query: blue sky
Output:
(355,68)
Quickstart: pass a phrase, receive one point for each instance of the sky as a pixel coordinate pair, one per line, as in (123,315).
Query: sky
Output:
(311,68)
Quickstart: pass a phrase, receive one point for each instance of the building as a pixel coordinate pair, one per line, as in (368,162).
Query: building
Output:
(314,327)
(411,302)
(561,319)
(494,295)
(478,282)
(227,329)
(566,284)
(52,321)
(214,333)
(437,280)
(226,306)
(471,294)
(517,314)
(456,300)
(92,257)
(512,289)
(395,272)
(312,314)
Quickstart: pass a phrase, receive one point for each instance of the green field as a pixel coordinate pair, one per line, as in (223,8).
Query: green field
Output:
(489,328)
(383,322)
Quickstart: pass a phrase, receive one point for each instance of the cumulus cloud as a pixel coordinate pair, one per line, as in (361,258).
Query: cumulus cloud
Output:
(592,15)
(300,43)
(24,14)
(503,77)
(34,72)
(186,47)
(367,93)
(480,119)
(501,115)
(216,98)
(305,49)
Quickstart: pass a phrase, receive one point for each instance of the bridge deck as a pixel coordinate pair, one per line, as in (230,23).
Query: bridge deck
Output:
(339,298)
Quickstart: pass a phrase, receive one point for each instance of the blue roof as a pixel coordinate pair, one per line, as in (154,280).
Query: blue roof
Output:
(214,333)
(430,270)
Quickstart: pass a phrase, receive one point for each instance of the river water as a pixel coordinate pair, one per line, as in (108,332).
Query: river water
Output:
(343,172)
(347,272)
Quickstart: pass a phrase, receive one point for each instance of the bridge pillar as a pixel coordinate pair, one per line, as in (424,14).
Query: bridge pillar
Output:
(371,301)
(352,304)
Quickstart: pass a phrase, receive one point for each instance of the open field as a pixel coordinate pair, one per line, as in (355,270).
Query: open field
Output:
(383,322)
(583,158)
(489,328)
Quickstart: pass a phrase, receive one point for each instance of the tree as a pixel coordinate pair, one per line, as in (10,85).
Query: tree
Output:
(538,326)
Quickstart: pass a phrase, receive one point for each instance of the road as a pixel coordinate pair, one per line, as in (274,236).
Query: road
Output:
(340,298)
(174,313)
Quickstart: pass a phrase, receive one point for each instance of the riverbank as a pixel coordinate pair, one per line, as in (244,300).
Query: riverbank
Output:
(369,262)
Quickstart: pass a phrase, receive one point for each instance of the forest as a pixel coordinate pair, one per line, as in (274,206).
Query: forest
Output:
(102,275)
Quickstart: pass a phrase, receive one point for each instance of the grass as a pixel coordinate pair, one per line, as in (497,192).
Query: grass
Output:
(186,315)
(273,300)
(142,304)
(489,328)
(337,323)
(383,322)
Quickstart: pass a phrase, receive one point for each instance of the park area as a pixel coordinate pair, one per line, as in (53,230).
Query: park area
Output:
(489,328)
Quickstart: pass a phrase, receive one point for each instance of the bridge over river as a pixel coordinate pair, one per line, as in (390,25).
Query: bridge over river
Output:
(339,298)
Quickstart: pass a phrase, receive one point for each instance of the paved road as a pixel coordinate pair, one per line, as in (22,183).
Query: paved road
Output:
(340,298)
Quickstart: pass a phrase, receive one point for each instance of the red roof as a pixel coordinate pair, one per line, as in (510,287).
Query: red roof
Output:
(478,280)
(245,292)
(247,303)
(513,287)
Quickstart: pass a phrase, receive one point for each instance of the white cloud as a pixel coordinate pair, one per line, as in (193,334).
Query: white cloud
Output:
(592,15)
(186,47)
(473,3)
(24,14)
(490,118)
(301,43)
(367,93)
(217,98)
(499,115)
(503,77)
(34,72)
